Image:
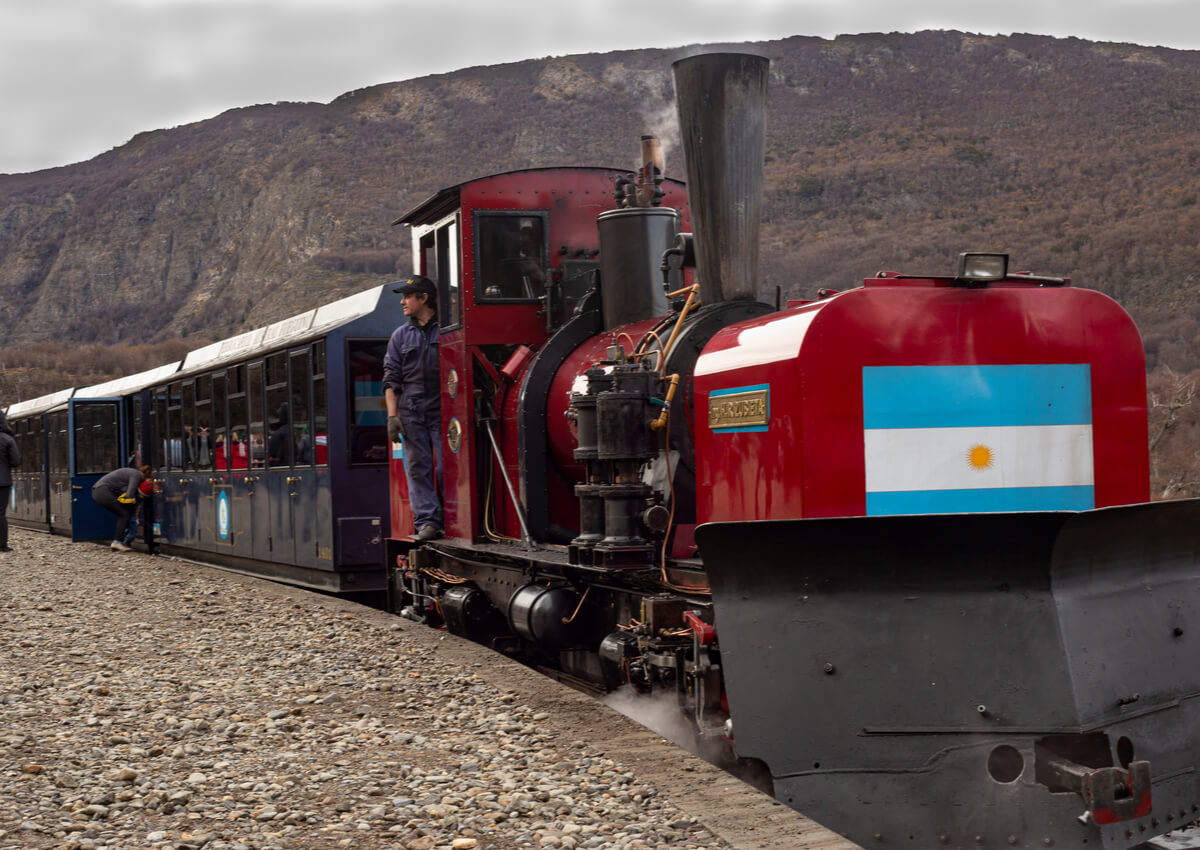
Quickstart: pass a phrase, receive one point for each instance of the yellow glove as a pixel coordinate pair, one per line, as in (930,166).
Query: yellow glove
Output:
(126,500)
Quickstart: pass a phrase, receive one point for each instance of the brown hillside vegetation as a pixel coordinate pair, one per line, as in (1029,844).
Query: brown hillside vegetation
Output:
(1174,434)
(885,151)
(34,369)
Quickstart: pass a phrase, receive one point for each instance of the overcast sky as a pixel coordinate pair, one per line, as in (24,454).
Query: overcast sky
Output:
(79,77)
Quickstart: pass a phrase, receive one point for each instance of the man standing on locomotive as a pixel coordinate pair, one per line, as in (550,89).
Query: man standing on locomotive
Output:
(414,406)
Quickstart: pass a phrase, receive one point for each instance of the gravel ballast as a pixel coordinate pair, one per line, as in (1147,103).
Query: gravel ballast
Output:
(148,702)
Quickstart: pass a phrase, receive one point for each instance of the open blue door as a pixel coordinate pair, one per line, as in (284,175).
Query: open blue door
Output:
(99,439)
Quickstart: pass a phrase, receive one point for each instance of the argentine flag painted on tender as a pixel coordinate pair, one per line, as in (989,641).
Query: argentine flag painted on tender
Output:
(977,439)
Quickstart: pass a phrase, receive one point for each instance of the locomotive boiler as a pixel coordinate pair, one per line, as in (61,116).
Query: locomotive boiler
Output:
(892,542)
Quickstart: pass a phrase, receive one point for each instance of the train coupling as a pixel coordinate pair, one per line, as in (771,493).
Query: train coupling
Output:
(1112,794)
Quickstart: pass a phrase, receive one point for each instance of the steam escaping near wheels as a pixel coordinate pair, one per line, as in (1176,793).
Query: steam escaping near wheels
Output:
(660,713)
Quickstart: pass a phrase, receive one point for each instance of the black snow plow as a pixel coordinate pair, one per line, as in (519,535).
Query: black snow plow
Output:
(972,680)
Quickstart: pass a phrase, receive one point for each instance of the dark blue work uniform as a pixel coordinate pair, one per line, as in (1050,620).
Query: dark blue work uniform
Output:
(410,368)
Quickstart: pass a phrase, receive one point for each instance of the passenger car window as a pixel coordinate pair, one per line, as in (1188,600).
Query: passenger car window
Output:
(238,443)
(258,438)
(220,427)
(279,415)
(320,406)
(368,410)
(96,437)
(302,437)
(159,429)
(202,456)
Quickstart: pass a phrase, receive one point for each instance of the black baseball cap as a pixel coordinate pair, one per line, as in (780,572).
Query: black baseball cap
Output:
(417,283)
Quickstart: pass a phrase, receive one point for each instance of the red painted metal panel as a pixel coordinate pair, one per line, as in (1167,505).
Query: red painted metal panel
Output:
(810,460)
(458,496)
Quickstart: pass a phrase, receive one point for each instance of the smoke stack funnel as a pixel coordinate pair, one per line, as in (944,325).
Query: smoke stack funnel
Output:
(721,98)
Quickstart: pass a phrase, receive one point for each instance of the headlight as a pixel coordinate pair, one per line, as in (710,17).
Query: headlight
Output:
(981,268)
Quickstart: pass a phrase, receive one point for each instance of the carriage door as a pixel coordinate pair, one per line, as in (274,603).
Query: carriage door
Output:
(98,442)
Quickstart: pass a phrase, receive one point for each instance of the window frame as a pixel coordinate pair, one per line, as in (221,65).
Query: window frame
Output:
(478,217)
(350,408)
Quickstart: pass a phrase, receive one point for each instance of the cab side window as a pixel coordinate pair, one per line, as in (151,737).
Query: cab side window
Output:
(439,252)
(511,258)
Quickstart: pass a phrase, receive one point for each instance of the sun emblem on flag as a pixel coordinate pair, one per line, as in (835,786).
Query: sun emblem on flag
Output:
(981,457)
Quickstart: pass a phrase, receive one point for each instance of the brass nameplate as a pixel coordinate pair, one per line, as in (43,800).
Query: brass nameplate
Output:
(738,410)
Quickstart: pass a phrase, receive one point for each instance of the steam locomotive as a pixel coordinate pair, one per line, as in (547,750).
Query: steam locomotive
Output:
(892,542)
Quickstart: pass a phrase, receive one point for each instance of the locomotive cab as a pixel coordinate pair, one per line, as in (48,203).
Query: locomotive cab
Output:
(515,256)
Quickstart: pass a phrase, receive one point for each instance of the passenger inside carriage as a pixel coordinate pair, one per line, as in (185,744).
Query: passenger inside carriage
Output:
(233,456)
(303,446)
(238,452)
(278,445)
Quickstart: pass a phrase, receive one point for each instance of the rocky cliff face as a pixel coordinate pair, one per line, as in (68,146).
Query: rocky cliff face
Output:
(180,231)
(264,211)
(885,151)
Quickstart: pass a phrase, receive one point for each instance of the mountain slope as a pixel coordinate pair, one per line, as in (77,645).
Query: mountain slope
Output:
(884,151)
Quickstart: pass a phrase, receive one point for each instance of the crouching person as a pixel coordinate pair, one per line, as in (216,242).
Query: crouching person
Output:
(118,492)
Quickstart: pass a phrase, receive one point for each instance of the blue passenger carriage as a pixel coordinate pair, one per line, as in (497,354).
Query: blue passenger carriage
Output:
(41,494)
(107,426)
(269,449)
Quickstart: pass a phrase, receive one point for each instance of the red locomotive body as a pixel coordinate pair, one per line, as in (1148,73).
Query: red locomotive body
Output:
(867,540)
(808,459)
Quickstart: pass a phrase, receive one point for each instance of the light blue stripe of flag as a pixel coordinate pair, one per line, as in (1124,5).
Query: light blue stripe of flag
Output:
(1003,500)
(973,396)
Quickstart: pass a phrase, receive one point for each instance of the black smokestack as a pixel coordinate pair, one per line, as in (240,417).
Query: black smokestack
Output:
(721,98)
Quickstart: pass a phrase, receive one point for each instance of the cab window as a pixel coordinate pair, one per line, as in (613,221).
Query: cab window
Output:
(510,256)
